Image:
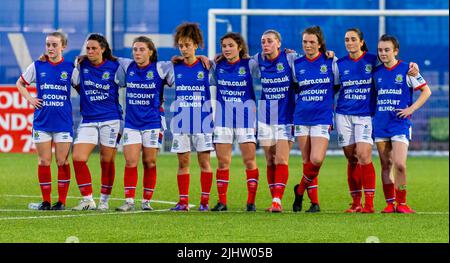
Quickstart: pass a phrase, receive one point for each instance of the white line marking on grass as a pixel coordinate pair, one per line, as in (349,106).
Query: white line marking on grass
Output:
(77,197)
(78,215)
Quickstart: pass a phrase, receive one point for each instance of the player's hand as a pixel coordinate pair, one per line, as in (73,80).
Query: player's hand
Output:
(80,59)
(205,61)
(404,113)
(329,54)
(37,103)
(413,69)
(218,58)
(43,58)
(288,50)
(176,59)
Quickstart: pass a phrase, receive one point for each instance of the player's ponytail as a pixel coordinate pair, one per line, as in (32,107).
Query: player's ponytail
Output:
(150,45)
(361,37)
(317,31)
(239,41)
(393,40)
(107,54)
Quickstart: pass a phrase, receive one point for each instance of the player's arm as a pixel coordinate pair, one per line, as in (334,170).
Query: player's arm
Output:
(418,83)
(24,80)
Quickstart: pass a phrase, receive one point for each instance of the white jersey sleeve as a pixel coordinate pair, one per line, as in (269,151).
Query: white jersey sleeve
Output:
(121,72)
(163,68)
(212,75)
(254,67)
(170,75)
(75,77)
(335,69)
(29,76)
(416,82)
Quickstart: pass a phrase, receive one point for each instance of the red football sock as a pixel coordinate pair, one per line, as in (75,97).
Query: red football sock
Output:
(281,177)
(271,177)
(222,178)
(313,191)
(352,179)
(106,177)
(83,177)
(206,183)
(63,182)
(400,196)
(130,181)
(45,182)
(389,192)
(310,171)
(149,182)
(183,188)
(369,181)
(252,184)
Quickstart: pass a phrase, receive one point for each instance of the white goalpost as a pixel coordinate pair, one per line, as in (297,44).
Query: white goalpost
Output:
(213,13)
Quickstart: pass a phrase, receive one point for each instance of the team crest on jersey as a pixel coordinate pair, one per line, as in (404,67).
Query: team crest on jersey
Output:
(221,70)
(86,71)
(302,71)
(280,67)
(323,69)
(43,74)
(105,75)
(242,71)
(200,75)
(179,76)
(399,79)
(379,80)
(263,68)
(131,73)
(368,68)
(346,72)
(64,75)
(149,75)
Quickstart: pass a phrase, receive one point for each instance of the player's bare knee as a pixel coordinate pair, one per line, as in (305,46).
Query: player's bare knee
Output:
(45,162)
(149,163)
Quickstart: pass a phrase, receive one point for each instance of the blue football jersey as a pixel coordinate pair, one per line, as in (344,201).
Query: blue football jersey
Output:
(278,91)
(394,90)
(356,93)
(316,78)
(192,107)
(53,84)
(144,88)
(236,107)
(99,92)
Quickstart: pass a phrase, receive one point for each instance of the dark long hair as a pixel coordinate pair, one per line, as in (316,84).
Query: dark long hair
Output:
(317,31)
(393,40)
(150,45)
(361,37)
(107,54)
(239,41)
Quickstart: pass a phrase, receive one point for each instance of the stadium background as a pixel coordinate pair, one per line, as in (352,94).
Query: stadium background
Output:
(422,39)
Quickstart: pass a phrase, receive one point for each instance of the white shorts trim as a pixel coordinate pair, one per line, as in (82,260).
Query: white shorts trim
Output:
(353,129)
(148,138)
(320,130)
(107,132)
(200,142)
(56,137)
(229,135)
(398,138)
(268,135)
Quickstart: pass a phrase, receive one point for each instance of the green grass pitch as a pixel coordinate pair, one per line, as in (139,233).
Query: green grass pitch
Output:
(428,193)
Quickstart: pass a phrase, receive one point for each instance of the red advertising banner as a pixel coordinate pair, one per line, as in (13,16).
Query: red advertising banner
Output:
(16,120)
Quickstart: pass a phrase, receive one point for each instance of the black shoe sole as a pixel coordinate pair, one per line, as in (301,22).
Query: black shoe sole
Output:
(298,201)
